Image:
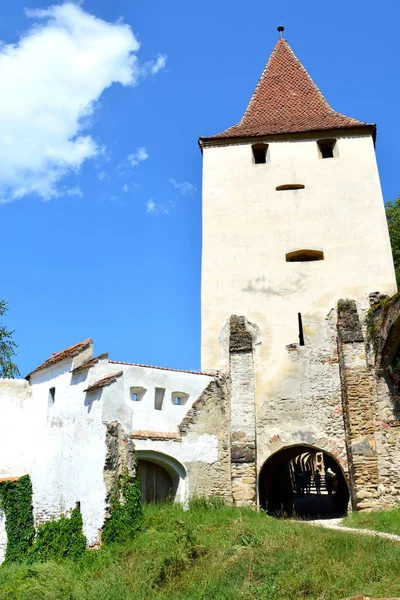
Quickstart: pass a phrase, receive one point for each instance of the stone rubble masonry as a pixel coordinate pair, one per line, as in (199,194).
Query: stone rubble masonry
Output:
(242,414)
(120,458)
(209,414)
(387,424)
(359,408)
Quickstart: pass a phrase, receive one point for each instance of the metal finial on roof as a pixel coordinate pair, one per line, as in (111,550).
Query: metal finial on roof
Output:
(281,29)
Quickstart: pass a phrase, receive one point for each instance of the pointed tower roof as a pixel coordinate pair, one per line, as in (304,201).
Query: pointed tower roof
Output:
(286,100)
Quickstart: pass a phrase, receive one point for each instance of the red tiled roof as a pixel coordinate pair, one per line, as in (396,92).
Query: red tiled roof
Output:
(118,362)
(286,100)
(156,435)
(70,352)
(103,382)
(89,363)
(2,479)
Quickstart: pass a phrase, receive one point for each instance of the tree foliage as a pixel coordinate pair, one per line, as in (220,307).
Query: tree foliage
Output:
(393,219)
(8,348)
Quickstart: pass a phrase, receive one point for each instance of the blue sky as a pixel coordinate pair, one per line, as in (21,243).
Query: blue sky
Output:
(100,207)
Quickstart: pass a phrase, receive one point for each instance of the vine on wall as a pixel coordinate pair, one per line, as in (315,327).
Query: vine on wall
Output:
(64,538)
(55,539)
(126,510)
(58,539)
(16,502)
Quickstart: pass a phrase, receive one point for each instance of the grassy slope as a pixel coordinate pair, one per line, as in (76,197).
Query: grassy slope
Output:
(219,554)
(385,520)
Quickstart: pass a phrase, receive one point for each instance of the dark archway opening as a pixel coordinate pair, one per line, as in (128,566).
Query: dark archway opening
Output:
(289,484)
(390,365)
(155,482)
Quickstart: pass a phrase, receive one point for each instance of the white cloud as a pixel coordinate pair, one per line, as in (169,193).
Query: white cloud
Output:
(138,156)
(51,80)
(153,67)
(156,209)
(150,206)
(125,188)
(185,188)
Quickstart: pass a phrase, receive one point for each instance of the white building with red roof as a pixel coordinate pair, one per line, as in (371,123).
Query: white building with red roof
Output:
(295,247)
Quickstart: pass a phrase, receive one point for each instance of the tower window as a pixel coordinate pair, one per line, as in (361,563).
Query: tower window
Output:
(259,153)
(301,333)
(304,256)
(290,186)
(326,148)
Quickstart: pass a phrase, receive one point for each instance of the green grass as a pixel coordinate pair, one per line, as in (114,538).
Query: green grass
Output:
(217,554)
(383,520)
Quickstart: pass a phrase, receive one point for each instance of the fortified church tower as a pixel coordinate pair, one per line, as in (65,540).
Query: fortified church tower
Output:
(293,221)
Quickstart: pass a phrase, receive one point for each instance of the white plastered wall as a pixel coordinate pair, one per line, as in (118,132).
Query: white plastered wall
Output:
(249,227)
(144,415)
(62,445)
(16,425)
(69,449)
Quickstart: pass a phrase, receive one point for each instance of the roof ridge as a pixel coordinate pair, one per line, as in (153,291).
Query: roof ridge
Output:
(69,353)
(119,362)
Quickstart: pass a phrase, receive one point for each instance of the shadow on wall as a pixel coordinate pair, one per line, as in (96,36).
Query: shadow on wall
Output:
(303,481)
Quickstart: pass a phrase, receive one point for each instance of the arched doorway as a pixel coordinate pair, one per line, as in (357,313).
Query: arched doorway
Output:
(161,477)
(288,484)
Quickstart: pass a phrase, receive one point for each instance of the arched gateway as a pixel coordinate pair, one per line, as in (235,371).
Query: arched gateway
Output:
(161,477)
(288,483)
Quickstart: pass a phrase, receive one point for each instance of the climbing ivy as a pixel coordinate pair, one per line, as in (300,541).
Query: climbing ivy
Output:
(126,510)
(61,538)
(375,318)
(16,502)
(55,539)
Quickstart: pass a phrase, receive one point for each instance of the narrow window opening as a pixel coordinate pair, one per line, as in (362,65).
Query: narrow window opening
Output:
(290,186)
(326,148)
(159,398)
(179,398)
(260,153)
(304,256)
(52,395)
(301,333)
(137,393)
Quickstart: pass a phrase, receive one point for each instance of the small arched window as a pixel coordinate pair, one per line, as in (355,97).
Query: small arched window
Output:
(304,256)
(327,148)
(260,152)
(137,393)
(179,398)
(52,396)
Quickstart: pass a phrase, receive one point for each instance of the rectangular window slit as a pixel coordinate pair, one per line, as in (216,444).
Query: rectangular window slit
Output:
(301,333)
(52,395)
(159,398)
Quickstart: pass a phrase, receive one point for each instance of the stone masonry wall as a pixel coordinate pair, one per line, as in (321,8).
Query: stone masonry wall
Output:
(300,404)
(359,408)
(210,415)
(382,349)
(242,414)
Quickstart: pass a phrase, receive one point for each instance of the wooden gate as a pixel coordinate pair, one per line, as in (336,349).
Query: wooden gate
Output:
(154,481)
